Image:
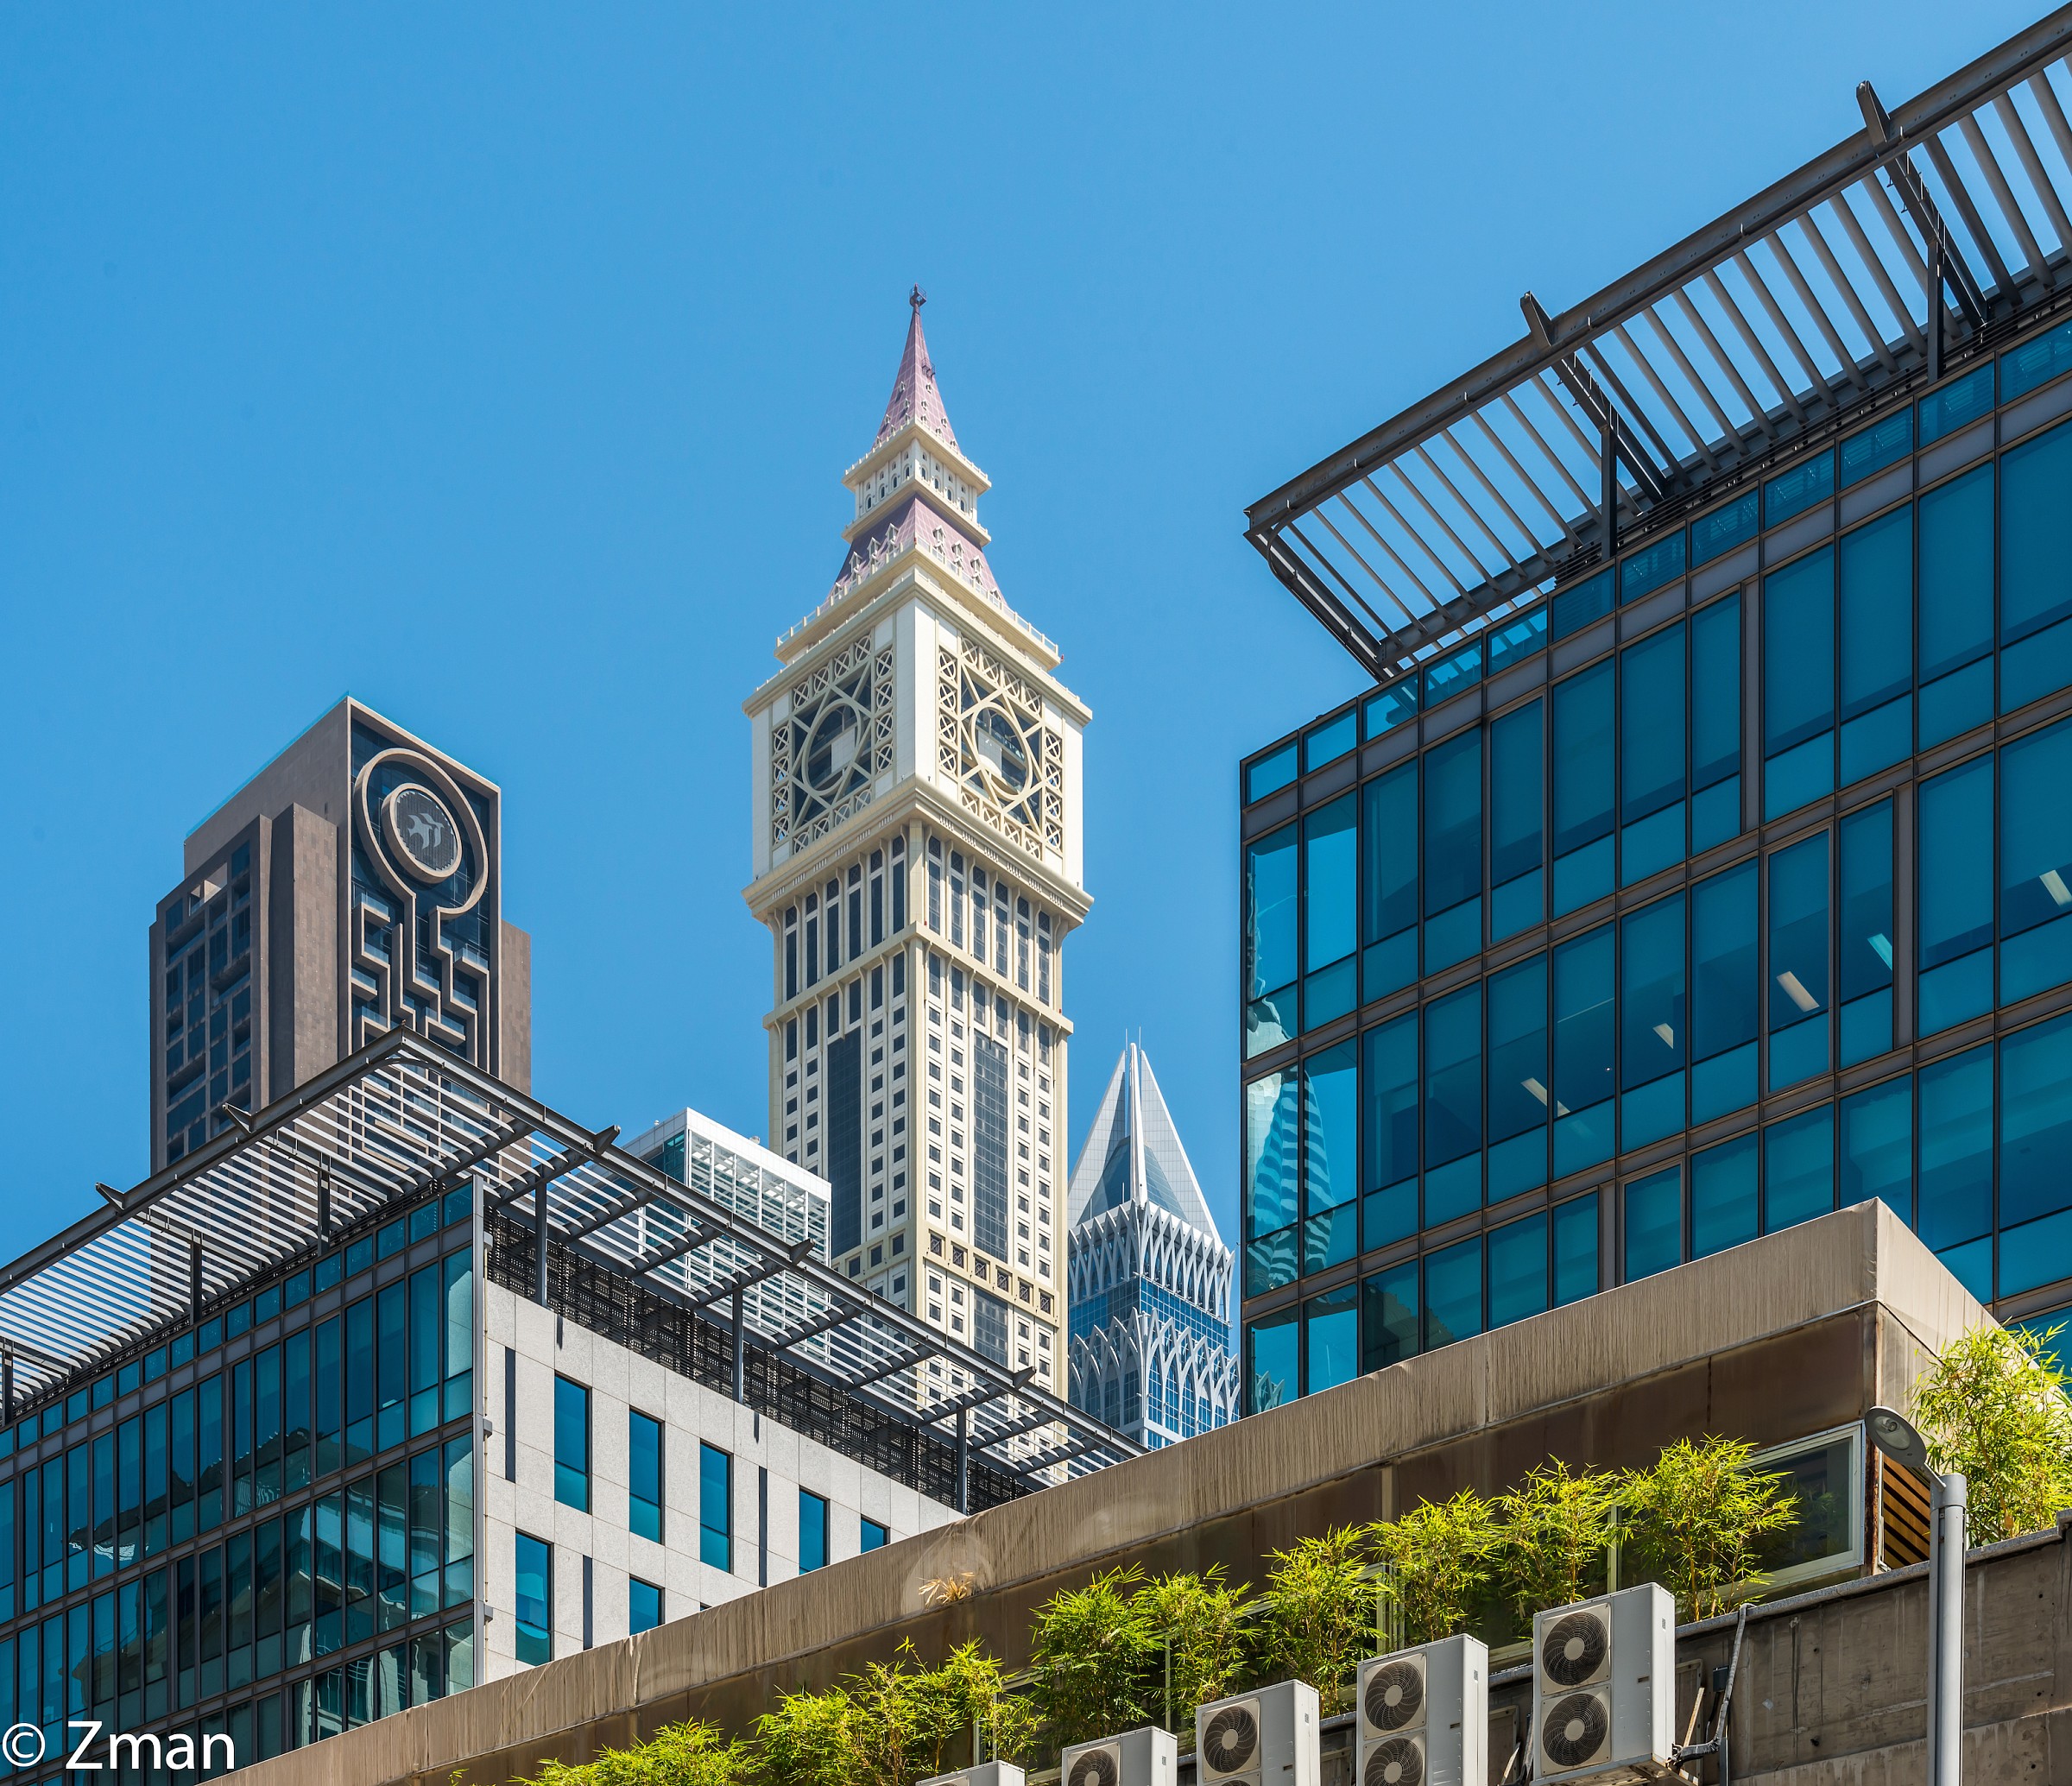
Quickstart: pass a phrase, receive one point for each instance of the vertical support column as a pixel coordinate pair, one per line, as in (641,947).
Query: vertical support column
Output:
(540,1198)
(740,1354)
(323,1200)
(194,1277)
(1610,496)
(1946,1630)
(963,1459)
(1935,304)
(7,1388)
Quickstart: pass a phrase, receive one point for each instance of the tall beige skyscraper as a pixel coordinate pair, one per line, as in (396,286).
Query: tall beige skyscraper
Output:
(917,850)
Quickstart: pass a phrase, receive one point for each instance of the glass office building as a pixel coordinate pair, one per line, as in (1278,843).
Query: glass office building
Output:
(1703,858)
(418,1383)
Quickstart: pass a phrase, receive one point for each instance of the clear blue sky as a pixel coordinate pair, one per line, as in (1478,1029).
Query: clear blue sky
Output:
(498,364)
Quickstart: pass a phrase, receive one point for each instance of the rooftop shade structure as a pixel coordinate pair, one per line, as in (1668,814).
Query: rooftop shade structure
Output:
(401,1119)
(1922,240)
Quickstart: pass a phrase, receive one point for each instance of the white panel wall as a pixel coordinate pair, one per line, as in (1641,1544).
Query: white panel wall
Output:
(618,1379)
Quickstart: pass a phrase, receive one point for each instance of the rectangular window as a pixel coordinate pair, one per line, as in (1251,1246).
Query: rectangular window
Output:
(458,1290)
(1799,683)
(715,1508)
(1882,444)
(1799,1168)
(1575,1249)
(644,1475)
(571,1444)
(1652,731)
(1270,941)
(1388,904)
(424,1329)
(536,1608)
(1330,1333)
(1956,869)
(1724,1005)
(2035,1132)
(1331,1157)
(359,1380)
(1518,1270)
(1864,963)
(1716,723)
(643,1606)
(1793,492)
(1798,961)
(1653,1039)
(2036,863)
(1723,1196)
(1654,1224)
(1877,1137)
(1584,1037)
(392,1341)
(1715,534)
(1453,850)
(2035,569)
(989,1146)
(812,1531)
(1388,1316)
(1877,603)
(1453,1106)
(1953,1176)
(1518,1072)
(1330,840)
(1955,618)
(874,1535)
(1391,1211)
(1453,1293)
(1583,788)
(1517,823)
(1272,1360)
(844,1140)
(1272,1161)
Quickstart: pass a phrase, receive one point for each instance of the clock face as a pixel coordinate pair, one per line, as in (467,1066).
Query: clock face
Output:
(827,753)
(1006,763)
(422,832)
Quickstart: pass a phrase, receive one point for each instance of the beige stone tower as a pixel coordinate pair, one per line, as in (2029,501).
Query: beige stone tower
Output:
(917,847)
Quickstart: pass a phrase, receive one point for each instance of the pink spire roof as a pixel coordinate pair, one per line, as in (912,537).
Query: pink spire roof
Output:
(914,396)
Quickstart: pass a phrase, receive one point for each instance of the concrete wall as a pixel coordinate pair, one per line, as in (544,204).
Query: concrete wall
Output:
(769,1458)
(1785,1336)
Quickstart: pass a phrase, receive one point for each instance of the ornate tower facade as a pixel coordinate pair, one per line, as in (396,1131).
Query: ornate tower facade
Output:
(917,851)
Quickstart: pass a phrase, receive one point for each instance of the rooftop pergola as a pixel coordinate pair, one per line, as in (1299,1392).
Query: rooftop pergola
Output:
(1913,244)
(401,1119)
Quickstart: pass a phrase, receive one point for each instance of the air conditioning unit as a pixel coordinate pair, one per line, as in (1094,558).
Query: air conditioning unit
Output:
(1424,1716)
(989,1773)
(1149,1757)
(1264,1738)
(1604,1687)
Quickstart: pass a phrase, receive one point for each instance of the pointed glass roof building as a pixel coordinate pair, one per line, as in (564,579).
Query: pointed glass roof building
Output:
(1147,1273)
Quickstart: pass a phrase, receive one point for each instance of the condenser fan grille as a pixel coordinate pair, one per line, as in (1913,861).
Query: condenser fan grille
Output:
(1232,1739)
(1394,1694)
(1574,1648)
(1576,1729)
(1399,1762)
(1094,1768)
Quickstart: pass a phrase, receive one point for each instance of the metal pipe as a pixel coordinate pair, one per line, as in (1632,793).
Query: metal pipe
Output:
(740,1350)
(1946,1630)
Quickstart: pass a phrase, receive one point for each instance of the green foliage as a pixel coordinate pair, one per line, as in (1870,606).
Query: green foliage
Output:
(1204,1620)
(811,1739)
(1557,1528)
(677,1755)
(1440,1556)
(1993,1405)
(1091,1656)
(1698,1520)
(1317,1613)
(894,1723)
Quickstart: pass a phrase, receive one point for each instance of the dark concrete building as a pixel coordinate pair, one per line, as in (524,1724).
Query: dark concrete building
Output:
(354,884)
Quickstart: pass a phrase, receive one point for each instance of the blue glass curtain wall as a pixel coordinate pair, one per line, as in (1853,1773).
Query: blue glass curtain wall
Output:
(207,1523)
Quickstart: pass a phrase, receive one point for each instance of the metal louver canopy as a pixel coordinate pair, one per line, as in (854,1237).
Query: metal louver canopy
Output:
(1916,240)
(402,1117)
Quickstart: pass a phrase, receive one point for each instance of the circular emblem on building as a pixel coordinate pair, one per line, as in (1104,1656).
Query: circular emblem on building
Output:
(422,831)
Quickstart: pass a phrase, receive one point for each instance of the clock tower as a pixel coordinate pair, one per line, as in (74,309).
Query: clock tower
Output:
(917,851)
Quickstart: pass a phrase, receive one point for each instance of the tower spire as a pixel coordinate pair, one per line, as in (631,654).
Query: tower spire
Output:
(914,396)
